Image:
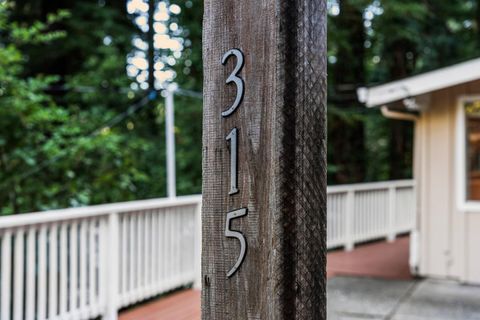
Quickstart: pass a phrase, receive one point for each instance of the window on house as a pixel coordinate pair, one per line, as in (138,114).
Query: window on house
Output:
(472,112)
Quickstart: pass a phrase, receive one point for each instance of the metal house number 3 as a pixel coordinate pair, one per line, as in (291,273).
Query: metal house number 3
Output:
(232,140)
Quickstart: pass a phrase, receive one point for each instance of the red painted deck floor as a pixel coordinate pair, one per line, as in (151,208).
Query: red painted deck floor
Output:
(183,305)
(379,259)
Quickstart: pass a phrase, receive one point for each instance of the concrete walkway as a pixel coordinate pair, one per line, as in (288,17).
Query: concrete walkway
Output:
(352,298)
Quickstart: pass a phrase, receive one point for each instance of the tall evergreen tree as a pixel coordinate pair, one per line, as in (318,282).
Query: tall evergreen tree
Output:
(347,38)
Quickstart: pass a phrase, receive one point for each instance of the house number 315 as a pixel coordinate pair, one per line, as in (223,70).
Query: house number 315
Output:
(232,142)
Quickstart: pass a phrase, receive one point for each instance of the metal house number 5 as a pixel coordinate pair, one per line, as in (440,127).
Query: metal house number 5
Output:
(235,234)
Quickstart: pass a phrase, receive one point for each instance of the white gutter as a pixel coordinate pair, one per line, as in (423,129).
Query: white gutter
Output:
(397,115)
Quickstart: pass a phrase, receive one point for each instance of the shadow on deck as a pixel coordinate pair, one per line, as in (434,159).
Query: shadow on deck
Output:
(376,260)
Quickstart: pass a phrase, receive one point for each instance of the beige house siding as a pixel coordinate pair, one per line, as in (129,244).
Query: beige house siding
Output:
(449,240)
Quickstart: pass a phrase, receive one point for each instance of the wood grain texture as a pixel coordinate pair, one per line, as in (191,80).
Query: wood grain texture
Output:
(282,167)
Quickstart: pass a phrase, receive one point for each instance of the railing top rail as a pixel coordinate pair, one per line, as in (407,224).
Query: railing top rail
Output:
(132,206)
(97,210)
(371,186)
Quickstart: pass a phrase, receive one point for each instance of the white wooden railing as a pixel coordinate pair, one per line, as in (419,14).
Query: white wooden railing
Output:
(82,263)
(369,211)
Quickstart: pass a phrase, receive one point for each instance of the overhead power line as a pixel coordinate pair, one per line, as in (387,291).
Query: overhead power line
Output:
(189,93)
(132,109)
(91,89)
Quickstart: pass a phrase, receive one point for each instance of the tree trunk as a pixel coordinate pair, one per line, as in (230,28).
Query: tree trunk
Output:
(151,48)
(348,74)
(279,128)
(401,132)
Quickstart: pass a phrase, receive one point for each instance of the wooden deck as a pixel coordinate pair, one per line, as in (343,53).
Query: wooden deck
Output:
(182,305)
(378,260)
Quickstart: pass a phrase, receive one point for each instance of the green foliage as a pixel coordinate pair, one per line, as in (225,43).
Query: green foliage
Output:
(190,67)
(188,110)
(74,131)
(188,131)
(376,41)
(57,149)
(28,117)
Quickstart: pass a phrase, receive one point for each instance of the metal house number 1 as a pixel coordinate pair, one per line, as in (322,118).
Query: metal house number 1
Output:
(232,140)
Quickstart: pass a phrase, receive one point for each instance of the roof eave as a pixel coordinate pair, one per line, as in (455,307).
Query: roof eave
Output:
(420,84)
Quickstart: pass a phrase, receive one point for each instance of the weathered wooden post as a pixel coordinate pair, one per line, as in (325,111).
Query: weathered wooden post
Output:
(264,168)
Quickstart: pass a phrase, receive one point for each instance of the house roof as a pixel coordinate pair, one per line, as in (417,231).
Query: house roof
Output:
(420,84)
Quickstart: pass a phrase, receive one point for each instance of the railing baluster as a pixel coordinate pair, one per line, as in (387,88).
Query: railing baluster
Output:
(184,233)
(176,244)
(132,256)
(103,271)
(168,251)
(371,208)
(188,245)
(19,273)
(145,250)
(160,249)
(349,227)
(391,214)
(182,241)
(92,263)
(339,217)
(42,273)
(367,214)
(179,240)
(124,254)
(112,265)
(83,268)
(139,274)
(6,274)
(73,276)
(163,253)
(194,219)
(150,274)
(30,275)
(153,252)
(52,271)
(63,270)
(330,226)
